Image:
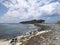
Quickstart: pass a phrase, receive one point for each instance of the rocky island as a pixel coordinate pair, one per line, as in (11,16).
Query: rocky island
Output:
(32,21)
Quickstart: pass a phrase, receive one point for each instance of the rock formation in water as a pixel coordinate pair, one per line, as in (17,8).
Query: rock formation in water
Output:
(33,21)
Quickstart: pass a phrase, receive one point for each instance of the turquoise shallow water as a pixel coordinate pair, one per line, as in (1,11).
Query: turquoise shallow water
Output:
(8,31)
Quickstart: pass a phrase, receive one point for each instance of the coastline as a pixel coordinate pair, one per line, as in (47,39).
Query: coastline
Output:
(35,35)
(22,39)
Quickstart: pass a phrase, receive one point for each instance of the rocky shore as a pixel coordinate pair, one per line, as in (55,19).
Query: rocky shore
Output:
(32,38)
(46,35)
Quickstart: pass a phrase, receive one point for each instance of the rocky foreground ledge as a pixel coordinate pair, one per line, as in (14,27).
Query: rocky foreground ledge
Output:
(47,37)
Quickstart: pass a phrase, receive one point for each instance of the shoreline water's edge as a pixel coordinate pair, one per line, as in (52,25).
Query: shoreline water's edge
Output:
(36,37)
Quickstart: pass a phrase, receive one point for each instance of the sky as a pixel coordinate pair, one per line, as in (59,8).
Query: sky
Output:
(14,11)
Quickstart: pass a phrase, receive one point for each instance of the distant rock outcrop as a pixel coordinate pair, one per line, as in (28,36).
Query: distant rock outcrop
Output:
(58,22)
(32,21)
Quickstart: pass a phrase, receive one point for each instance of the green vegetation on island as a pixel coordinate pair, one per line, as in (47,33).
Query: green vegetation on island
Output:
(58,22)
(33,21)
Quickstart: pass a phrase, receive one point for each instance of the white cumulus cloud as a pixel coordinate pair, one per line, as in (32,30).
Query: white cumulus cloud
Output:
(20,10)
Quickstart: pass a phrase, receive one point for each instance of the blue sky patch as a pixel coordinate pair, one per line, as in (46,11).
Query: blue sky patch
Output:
(26,10)
(3,9)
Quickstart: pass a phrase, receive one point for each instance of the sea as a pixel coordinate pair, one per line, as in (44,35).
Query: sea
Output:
(11,30)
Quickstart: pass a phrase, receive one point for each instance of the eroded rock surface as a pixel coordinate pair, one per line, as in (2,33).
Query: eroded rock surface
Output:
(46,37)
